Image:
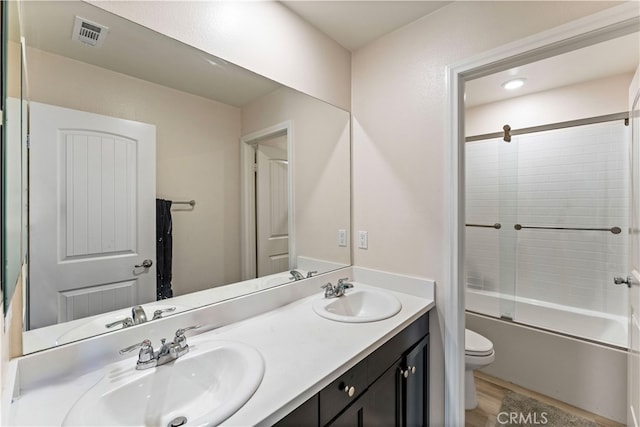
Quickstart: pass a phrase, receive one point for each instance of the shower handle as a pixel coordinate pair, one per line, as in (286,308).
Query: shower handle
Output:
(630,280)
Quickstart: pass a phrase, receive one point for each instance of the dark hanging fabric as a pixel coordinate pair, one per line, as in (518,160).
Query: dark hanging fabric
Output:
(164,250)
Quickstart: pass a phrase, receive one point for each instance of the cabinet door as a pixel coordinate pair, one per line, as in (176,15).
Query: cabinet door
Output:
(353,416)
(383,399)
(415,402)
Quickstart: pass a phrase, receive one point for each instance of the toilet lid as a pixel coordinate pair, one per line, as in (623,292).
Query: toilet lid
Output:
(476,345)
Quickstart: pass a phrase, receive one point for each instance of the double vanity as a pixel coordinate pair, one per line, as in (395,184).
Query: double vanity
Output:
(353,353)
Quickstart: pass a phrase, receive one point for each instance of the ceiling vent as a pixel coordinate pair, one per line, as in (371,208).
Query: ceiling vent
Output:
(89,32)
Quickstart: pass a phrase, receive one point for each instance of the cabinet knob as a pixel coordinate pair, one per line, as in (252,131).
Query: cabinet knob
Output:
(410,370)
(350,390)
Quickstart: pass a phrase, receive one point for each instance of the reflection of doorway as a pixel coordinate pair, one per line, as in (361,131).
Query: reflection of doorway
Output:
(267,215)
(272,205)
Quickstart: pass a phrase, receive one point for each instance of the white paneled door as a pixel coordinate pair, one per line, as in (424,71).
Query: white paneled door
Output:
(633,413)
(92,214)
(272,206)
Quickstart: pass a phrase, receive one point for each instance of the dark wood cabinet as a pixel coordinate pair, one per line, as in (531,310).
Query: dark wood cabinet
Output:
(383,407)
(415,388)
(388,388)
(305,415)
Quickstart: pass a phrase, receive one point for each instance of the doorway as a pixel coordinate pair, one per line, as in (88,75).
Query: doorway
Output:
(545,45)
(267,202)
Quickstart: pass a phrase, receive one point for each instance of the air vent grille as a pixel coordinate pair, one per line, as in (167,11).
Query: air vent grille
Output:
(88,32)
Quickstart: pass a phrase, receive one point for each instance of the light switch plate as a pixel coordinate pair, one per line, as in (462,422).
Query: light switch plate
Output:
(363,239)
(342,237)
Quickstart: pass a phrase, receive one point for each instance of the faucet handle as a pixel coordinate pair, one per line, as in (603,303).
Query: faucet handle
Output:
(181,341)
(158,313)
(146,351)
(329,290)
(180,332)
(343,280)
(180,338)
(126,322)
(146,357)
(311,273)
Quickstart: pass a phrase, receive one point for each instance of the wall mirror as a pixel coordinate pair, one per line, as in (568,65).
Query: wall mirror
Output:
(165,177)
(14,156)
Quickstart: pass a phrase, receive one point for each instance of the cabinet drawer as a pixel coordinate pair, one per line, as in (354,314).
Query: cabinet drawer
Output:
(334,398)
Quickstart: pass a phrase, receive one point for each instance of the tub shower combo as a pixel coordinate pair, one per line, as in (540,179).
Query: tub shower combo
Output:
(547,222)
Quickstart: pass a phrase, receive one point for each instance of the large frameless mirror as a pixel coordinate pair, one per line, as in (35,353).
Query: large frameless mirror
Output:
(165,177)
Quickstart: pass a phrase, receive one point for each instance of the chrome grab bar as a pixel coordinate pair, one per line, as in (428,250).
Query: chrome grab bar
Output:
(614,230)
(497,225)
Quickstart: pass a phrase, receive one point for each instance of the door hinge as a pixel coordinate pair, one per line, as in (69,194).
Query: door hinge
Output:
(255,167)
(28,142)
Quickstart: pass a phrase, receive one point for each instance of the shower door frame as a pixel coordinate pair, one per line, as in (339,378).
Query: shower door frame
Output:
(608,24)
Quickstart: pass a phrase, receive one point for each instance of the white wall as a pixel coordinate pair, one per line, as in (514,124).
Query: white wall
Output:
(399,106)
(322,191)
(197,157)
(582,100)
(262,36)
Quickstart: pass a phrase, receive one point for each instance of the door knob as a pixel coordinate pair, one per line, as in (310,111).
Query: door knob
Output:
(145,264)
(629,280)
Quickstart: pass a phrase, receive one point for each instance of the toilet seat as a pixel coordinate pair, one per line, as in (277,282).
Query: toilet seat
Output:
(476,344)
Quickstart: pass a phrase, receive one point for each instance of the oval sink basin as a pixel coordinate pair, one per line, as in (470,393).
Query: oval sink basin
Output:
(203,387)
(358,306)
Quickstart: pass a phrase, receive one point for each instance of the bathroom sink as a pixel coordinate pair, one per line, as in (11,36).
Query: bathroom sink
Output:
(203,387)
(358,306)
(95,325)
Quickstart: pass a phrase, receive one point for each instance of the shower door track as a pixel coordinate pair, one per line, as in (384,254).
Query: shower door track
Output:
(560,125)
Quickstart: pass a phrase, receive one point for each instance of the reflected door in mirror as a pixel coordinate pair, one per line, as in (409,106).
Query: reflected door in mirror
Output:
(92,218)
(272,206)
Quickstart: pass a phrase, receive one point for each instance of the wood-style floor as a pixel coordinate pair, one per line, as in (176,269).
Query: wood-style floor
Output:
(492,391)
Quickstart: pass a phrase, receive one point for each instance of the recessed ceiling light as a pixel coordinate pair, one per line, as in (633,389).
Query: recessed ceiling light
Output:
(513,84)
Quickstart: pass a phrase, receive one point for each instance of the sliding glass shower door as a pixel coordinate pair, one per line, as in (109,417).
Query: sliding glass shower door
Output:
(562,200)
(491,205)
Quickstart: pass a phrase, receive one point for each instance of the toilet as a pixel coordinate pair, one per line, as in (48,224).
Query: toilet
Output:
(478,352)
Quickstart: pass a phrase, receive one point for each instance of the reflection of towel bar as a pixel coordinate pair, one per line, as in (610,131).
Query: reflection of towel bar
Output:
(191,203)
(497,225)
(614,230)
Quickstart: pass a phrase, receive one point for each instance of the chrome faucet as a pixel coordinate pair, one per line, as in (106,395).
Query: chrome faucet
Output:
(138,315)
(337,291)
(296,275)
(158,313)
(126,322)
(148,358)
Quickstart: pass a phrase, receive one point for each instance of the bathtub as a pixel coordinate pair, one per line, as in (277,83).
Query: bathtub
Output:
(576,322)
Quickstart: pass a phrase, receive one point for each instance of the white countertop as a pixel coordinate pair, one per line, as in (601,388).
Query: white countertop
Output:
(303,352)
